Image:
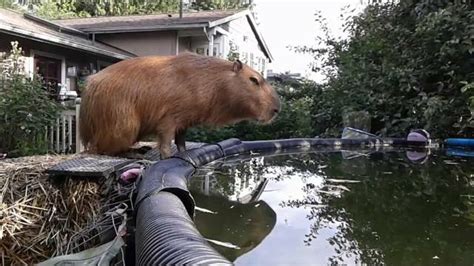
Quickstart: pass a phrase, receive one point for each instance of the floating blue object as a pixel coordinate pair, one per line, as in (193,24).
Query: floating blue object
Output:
(463,142)
(460,152)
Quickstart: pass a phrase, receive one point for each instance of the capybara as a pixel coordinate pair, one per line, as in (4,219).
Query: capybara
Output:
(165,95)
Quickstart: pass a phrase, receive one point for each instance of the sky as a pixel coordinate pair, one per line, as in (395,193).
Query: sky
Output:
(292,23)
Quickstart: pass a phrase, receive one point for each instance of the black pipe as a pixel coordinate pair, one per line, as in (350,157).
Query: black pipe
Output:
(166,235)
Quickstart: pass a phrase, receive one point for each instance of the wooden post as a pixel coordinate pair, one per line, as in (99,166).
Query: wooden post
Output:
(63,140)
(57,136)
(69,132)
(79,146)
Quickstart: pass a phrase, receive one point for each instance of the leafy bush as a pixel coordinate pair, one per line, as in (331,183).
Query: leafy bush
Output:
(25,108)
(404,63)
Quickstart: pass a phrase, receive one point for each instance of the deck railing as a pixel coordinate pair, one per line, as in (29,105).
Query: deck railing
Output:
(63,136)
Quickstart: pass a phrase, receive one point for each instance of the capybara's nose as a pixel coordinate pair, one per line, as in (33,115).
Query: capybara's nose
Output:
(275,111)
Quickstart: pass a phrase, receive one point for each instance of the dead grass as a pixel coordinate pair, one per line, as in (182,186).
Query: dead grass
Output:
(40,219)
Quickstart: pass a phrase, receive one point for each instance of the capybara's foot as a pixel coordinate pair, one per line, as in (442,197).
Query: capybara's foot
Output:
(165,152)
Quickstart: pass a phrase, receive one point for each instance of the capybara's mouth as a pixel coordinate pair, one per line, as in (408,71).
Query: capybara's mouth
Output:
(266,120)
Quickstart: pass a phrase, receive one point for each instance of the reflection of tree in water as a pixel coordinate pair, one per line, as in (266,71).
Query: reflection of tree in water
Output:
(236,179)
(399,213)
(242,220)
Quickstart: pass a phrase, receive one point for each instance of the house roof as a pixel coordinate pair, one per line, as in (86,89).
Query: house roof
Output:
(157,22)
(146,22)
(34,28)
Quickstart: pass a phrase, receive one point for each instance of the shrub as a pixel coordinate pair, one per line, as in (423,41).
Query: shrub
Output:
(26,109)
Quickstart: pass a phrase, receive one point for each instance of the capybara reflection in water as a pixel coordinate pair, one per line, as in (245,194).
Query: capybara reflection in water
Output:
(165,95)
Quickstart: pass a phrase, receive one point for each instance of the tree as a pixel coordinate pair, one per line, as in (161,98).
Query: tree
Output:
(405,63)
(55,9)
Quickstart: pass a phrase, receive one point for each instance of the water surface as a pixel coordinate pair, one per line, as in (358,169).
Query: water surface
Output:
(339,207)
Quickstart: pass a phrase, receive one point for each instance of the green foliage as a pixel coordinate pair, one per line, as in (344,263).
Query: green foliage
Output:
(404,63)
(52,10)
(468,89)
(25,108)
(6,3)
(218,4)
(56,9)
(233,52)
(293,121)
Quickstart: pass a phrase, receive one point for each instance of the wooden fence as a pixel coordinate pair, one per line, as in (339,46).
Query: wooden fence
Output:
(63,136)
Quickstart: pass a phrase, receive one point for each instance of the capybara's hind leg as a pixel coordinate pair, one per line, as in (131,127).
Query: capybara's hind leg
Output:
(179,139)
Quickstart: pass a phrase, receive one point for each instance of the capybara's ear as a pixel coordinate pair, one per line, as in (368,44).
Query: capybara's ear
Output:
(237,66)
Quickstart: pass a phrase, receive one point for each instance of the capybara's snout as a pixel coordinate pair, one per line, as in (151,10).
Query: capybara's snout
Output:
(274,107)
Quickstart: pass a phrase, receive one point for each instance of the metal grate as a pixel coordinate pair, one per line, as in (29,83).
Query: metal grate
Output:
(89,166)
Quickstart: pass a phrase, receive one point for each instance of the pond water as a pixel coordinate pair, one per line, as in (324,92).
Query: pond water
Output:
(339,208)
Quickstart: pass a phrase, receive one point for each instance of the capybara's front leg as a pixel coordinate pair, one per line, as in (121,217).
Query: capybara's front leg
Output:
(164,142)
(179,139)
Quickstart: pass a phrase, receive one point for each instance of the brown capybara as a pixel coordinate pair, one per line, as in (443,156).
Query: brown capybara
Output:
(165,95)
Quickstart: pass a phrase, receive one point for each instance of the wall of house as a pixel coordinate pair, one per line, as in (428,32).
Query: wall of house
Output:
(200,45)
(242,36)
(143,43)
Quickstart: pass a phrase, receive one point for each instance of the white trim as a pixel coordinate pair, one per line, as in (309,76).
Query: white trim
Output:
(55,56)
(258,34)
(211,45)
(229,18)
(29,66)
(222,31)
(177,43)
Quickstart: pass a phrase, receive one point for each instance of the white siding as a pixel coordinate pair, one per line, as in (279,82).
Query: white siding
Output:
(244,38)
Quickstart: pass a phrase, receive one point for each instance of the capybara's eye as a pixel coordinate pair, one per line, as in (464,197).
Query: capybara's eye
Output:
(254,80)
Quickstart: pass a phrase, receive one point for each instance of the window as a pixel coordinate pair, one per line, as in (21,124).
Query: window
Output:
(50,70)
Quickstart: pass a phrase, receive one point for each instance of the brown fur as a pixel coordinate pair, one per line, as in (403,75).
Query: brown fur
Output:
(165,95)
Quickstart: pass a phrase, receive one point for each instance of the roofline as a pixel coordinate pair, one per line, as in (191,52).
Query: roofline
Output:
(144,29)
(55,26)
(253,25)
(209,24)
(259,35)
(228,18)
(48,38)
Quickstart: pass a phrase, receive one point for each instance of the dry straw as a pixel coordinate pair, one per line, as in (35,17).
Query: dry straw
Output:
(40,218)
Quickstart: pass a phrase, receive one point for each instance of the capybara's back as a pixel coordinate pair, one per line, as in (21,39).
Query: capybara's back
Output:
(163,95)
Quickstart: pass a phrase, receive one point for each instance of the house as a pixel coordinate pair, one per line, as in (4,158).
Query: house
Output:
(214,33)
(65,51)
(62,55)
(284,77)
